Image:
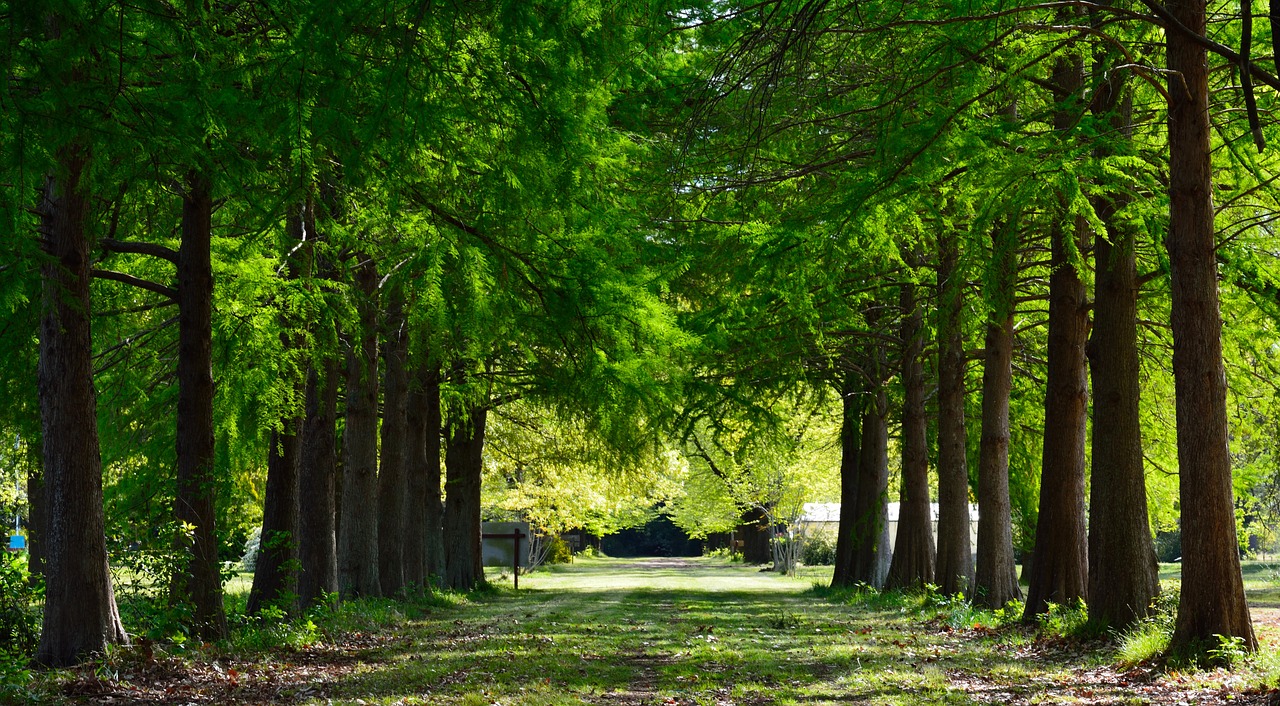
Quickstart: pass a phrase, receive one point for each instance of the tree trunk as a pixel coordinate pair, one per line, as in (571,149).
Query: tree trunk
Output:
(954,571)
(392,486)
(1060,565)
(80,615)
(433,507)
(754,530)
(464,461)
(1213,601)
(273,577)
(1123,574)
(995,581)
(358,533)
(275,572)
(913,553)
(317,476)
(201,582)
(424,545)
(850,442)
(37,521)
(871,532)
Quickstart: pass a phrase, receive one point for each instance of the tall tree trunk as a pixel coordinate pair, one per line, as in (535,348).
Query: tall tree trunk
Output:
(1213,601)
(755,532)
(201,582)
(317,477)
(273,577)
(871,553)
(358,532)
(80,615)
(392,486)
(913,553)
(464,462)
(37,521)
(415,468)
(850,443)
(433,506)
(954,571)
(1123,574)
(1060,564)
(995,581)
(275,572)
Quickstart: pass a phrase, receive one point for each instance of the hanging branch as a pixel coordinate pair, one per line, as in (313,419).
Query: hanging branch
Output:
(1246,81)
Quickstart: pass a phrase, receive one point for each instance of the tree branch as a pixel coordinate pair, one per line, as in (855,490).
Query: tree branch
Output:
(136,248)
(148,285)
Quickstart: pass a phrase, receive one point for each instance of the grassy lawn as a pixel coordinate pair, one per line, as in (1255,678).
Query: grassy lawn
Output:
(658,632)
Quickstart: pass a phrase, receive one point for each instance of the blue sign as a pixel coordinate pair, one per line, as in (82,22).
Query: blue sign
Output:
(17,542)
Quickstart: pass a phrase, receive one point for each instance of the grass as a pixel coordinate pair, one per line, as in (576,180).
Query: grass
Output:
(620,632)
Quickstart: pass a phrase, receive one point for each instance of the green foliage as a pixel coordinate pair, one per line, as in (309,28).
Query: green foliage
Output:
(819,549)
(142,579)
(559,552)
(20,603)
(1065,620)
(1148,639)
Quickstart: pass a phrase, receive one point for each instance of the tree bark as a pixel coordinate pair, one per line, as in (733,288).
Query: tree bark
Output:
(317,476)
(954,572)
(1060,565)
(80,615)
(433,506)
(995,580)
(871,531)
(275,572)
(358,533)
(755,532)
(415,468)
(392,485)
(913,553)
(37,521)
(464,462)
(1123,574)
(201,581)
(850,443)
(1213,601)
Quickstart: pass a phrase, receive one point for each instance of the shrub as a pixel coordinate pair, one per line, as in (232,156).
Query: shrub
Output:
(19,601)
(559,552)
(819,549)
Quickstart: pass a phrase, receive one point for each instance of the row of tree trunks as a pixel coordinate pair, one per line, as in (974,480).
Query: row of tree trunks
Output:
(358,530)
(954,570)
(80,615)
(913,552)
(201,582)
(464,467)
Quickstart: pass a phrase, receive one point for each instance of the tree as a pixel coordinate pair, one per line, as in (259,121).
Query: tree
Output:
(954,572)
(1212,600)
(358,537)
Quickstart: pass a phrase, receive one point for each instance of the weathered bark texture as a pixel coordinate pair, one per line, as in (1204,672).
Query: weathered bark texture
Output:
(464,462)
(954,572)
(201,583)
(871,531)
(1060,565)
(392,486)
(1123,574)
(1213,601)
(273,575)
(80,615)
(995,580)
(850,444)
(913,553)
(358,531)
(37,521)
(317,476)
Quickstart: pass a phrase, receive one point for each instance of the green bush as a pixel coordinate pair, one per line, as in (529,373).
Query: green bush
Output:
(559,552)
(819,549)
(19,601)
